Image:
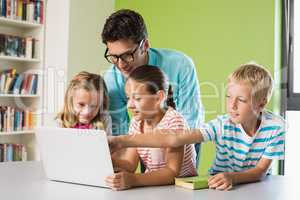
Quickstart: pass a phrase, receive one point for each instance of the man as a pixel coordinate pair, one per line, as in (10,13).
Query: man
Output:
(126,38)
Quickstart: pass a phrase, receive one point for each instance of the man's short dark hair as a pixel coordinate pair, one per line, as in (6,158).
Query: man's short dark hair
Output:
(124,24)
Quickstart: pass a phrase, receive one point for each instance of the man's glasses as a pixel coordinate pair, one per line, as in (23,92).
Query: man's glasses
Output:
(125,57)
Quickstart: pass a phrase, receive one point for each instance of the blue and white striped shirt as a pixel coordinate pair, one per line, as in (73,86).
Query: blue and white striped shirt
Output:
(236,151)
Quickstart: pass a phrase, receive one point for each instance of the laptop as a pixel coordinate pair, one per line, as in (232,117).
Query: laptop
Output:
(78,156)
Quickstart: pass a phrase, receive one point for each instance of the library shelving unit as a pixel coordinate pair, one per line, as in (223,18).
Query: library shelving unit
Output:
(34,64)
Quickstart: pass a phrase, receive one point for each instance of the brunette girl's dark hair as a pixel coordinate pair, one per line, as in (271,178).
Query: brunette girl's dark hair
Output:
(155,80)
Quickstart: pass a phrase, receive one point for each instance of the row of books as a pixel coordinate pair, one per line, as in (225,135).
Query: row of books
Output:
(12,152)
(28,10)
(13,119)
(24,47)
(14,83)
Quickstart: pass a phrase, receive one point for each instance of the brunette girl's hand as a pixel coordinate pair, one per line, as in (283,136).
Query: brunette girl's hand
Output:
(120,181)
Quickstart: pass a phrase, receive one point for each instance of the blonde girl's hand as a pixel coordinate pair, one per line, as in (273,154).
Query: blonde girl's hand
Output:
(221,181)
(120,181)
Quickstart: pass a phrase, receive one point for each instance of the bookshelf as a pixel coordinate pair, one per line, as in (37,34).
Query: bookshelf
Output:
(16,133)
(19,23)
(13,58)
(26,60)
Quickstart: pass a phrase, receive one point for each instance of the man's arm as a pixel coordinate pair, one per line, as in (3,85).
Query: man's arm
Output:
(117,101)
(188,101)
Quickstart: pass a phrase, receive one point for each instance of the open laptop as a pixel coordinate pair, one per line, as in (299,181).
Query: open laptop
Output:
(75,155)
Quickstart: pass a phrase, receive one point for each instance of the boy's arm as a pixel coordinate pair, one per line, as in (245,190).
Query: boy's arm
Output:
(252,175)
(163,138)
(224,181)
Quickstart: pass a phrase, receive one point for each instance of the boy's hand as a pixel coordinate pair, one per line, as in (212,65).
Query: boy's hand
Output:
(114,145)
(120,181)
(222,181)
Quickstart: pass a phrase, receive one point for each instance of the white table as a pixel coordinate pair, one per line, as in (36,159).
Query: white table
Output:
(26,181)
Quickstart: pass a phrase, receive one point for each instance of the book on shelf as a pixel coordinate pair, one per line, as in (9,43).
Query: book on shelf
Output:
(27,10)
(15,46)
(14,83)
(13,119)
(12,152)
(194,183)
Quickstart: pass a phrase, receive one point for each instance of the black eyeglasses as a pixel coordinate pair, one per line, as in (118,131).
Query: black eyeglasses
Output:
(125,57)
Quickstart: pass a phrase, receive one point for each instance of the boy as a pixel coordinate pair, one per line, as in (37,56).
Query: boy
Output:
(247,138)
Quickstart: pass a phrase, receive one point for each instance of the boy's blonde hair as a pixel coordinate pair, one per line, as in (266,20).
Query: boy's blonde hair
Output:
(89,82)
(259,79)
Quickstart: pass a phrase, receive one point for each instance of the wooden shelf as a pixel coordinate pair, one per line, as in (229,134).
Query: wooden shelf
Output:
(19,23)
(14,58)
(20,95)
(29,132)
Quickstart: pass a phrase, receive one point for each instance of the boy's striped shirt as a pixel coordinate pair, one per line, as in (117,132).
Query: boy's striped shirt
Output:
(236,151)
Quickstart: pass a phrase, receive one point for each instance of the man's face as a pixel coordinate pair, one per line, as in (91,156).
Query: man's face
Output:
(127,55)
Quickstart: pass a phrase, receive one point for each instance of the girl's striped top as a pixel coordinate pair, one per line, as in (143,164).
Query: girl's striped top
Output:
(155,158)
(236,151)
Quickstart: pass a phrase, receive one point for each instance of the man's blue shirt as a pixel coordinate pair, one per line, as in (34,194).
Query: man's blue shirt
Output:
(181,74)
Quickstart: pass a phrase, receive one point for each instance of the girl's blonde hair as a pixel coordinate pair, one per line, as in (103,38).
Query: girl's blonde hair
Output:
(89,82)
(259,79)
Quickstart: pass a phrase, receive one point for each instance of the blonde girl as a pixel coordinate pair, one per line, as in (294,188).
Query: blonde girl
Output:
(86,104)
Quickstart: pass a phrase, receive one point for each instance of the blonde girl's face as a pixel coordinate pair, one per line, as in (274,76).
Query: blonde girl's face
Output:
(86,105)
(141,103)
(240,106)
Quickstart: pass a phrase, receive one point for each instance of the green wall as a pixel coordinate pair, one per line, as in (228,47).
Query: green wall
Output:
(218,35)
(85,46)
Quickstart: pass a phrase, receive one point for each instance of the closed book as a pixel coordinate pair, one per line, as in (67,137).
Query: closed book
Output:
(24,87)
(11,87)
(8,8)
(28,48)
(18,84)
(35,84)
(28,84)
(42,12)
(2,44)
(9,153)
(24,153)
(3,8)
(7,84)
(1,152)
(24,10)
(20,9)
(30,12)
(2,82)
(194,183)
